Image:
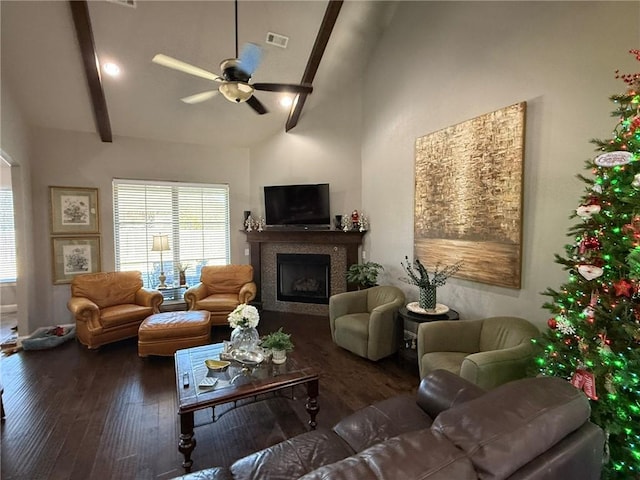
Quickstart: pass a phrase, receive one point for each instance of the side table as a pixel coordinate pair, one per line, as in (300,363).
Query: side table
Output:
(173,298)
(408,328)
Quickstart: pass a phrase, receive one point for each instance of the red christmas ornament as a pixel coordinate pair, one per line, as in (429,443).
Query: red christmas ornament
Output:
(623,287)
(553,323)
(589,243)
(592,200)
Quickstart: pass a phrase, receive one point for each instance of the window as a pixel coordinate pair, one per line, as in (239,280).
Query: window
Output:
(194,216)
(7,237)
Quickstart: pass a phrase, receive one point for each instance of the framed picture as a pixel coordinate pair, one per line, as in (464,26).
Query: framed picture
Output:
(468,197)
(74,255)
(74,210)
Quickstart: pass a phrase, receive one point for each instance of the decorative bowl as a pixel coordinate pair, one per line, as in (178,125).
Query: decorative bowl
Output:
(247,358)
(217,365)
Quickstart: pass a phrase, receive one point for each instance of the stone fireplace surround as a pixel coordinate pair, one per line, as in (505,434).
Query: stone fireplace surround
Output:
(342,247)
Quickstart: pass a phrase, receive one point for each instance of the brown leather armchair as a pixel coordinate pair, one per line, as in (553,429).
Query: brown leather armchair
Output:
(110,306)
(221,289)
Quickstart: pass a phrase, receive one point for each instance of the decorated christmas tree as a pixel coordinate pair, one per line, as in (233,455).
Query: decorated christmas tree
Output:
(593,339)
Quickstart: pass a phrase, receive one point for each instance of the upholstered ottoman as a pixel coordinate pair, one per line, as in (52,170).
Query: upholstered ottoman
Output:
(164,333)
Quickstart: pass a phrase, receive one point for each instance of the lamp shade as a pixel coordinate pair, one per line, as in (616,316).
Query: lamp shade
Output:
(160,243)
(236,91)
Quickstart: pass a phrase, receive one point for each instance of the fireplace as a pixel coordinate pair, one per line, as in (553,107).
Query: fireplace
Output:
(303,277)
(341,248)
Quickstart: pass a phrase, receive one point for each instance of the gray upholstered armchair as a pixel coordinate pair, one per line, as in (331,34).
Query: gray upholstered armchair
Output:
(364,321)
(487,352)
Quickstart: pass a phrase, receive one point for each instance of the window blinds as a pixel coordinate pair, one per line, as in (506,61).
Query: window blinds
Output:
(194,216)
(7,237)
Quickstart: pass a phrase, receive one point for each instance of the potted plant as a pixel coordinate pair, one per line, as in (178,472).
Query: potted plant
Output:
(418,275)
(279,343)
(364,275)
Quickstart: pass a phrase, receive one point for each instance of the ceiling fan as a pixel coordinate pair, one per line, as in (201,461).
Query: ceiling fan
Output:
(236,74)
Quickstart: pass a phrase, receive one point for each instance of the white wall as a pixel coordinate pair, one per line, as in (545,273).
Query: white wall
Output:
(66,158)
(323,148)
(14,142)
(440,63)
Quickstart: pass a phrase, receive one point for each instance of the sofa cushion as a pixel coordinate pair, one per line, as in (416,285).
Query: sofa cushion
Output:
(514,423)
(352,333)
(216,473)
(419,455)
(107,288)
(440,390)
(225,278)
(292,458)
(223,302)
(117,315)
(449,361)
(381,421)
(505,332)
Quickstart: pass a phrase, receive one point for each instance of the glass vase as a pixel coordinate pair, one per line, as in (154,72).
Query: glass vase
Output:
(244,339)
(427,299)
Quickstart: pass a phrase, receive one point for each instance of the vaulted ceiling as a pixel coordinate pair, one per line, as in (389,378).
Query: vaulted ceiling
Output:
(42,64)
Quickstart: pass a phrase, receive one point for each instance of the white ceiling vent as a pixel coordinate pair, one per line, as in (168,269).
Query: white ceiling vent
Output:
(126,3)
(277,40)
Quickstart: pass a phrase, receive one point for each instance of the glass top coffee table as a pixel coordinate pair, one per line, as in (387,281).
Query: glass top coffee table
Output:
(235,383)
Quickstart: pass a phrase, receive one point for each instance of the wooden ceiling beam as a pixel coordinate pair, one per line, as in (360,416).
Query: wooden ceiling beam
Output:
(84,33)
(328,22)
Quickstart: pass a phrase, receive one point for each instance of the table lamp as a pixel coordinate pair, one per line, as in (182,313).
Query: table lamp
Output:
(161,244)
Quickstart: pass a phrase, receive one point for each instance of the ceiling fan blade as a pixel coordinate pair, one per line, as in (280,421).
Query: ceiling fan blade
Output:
(249,58)
(200,97)
(171,62)
(283,87)
(257,105)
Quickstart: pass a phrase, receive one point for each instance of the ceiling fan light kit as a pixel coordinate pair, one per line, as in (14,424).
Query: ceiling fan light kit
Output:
(237,92)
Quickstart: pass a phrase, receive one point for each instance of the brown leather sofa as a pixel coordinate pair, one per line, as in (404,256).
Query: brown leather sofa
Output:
(534,428)
(110,306)
(221,289)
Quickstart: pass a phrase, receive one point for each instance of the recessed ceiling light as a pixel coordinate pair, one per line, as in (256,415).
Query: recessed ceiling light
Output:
(286,101)
(111,69)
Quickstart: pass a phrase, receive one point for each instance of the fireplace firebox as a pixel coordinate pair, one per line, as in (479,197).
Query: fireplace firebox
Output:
(303,277)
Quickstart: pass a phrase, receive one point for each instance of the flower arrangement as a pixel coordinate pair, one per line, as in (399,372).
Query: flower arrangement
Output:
(244,316)
(418,274)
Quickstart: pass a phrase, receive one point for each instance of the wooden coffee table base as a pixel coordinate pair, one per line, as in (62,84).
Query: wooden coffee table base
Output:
(264,379)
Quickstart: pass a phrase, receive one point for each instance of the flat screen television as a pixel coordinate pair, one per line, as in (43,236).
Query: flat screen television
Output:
(297,205)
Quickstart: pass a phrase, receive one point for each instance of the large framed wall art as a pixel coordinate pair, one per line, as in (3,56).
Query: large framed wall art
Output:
(468,197)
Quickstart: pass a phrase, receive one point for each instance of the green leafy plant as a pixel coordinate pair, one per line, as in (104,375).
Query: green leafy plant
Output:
(364,274)
(278,340)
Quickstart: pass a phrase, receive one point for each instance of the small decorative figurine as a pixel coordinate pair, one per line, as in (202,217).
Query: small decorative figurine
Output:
(355,217)
(346,223)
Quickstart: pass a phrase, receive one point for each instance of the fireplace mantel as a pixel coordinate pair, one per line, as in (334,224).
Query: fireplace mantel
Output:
(348,242)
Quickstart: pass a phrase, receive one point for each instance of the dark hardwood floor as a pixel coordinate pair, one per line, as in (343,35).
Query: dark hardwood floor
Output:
(79,414)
